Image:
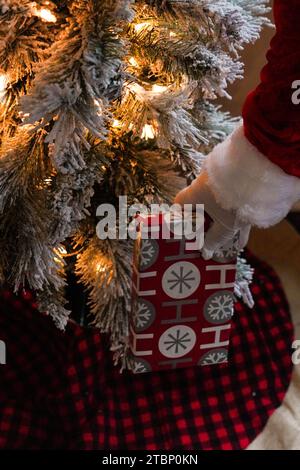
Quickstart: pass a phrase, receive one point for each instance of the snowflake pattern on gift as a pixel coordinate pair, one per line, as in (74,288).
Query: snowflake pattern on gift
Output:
(177,341)
(181,280)
(148,254)
(219,307)
(140,366)
(144,315)
(229,253)
(216,356)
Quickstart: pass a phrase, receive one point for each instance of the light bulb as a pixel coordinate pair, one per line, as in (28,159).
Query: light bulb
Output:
(45,15)
(23,116)
(100,268)
(159,88)
(133,62)
(148,132)
(99,106)
(116,123)
(62,250)
(3,85)
(58,260)
(47,181)
(139,26)
(3,82)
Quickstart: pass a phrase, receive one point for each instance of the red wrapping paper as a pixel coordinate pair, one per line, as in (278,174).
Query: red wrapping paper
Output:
(182,305)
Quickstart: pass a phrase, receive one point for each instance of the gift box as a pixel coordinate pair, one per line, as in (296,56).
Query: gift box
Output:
(182,305)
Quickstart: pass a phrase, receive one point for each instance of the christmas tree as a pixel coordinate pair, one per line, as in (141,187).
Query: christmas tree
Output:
(101,99)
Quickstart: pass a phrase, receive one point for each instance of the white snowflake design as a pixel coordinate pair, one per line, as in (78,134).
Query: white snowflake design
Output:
(149,252)
(230,252)
(219,356)
(219,307)
(140,366)
(181,280)
(225,254)
(144,315)
(177,341)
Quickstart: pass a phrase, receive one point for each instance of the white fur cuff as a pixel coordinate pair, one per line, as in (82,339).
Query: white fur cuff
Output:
(243,179)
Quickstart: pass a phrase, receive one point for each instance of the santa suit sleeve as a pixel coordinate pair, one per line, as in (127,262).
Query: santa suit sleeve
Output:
(256,171)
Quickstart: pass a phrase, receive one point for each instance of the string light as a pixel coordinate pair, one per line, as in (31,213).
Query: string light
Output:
(61,249)
(148,132)
(97,103)
(104,265)
(133,62)
(3,82)
(3,85)
(58,260)
(45,15)
(60,252)
(159,88)
(116,123)
(100,268)
(23,116)
(139,26)
(47,181)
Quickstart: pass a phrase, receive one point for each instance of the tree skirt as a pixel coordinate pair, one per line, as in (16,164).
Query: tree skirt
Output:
(61,390)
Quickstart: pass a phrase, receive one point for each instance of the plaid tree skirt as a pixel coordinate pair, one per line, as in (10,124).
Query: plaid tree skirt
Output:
(62,391)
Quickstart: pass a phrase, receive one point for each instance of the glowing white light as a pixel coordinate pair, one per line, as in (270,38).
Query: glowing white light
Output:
(3,85)
(45,15)
(116,123)
(159,88)
(139,26)
(3,82)
(23,116)
(62,250)
(133,62)
(47,182)
(148,132)
(100,268)
(98,104)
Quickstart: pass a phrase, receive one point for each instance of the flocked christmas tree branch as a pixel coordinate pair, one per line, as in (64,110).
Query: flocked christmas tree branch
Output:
(102,98)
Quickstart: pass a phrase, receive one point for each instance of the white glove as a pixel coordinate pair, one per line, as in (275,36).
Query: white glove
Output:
(226,227)
(249,188)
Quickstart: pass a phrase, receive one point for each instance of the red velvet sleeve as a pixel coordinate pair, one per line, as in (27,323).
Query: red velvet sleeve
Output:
(271,120)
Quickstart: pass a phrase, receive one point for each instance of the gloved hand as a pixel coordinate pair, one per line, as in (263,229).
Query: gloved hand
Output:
(226,227)
(240,187)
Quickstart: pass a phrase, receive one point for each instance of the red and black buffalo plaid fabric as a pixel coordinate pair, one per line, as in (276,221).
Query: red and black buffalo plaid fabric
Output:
(61,390)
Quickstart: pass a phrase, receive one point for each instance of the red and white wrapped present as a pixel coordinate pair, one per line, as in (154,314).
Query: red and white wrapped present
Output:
(182,305)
